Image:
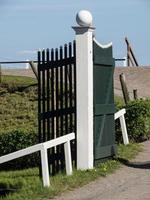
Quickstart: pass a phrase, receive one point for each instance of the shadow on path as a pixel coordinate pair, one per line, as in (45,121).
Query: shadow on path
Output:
(140,165)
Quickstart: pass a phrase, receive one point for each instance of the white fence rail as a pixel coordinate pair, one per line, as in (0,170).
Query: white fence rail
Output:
(120,115)
(42,147)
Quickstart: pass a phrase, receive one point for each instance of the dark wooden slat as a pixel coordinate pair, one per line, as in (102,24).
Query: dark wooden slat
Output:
(61,101)
(39,108)
(70,87)
(52,106)
(48,107)
(43,96)
(52,92)
(48,95)
(61,88)
(39,96)
(66,90)
(57,117)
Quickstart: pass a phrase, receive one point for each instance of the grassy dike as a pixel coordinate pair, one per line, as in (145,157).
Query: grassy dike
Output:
(18,104)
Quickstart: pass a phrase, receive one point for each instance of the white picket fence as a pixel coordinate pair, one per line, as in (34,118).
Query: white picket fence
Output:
(120,114)
(42,147)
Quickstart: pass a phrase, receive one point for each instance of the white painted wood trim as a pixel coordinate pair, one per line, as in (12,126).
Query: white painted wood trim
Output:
(101,45)
(45,171)
(124,130)
(58,141)
(20,153)
(120,115)
(68,159)
(42,147)
(84,69)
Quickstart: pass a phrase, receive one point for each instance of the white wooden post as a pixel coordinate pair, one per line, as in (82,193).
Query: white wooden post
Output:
(120,115)
(27,65)
(84,64)
(68,159)
(125,62)
(44,162)
(124,130)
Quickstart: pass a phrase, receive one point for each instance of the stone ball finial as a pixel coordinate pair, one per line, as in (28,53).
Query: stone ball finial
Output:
(84,18)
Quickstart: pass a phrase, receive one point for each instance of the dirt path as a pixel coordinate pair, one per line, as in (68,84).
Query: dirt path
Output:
(130,182)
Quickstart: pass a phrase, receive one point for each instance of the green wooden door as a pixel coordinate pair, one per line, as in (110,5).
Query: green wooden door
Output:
(104,108)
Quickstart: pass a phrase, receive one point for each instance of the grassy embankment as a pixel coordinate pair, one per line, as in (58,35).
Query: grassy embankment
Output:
(18,104)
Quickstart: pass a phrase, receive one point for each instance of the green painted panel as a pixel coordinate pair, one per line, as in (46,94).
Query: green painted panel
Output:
(104,130)
(104,108)
(103,61)
(106,151)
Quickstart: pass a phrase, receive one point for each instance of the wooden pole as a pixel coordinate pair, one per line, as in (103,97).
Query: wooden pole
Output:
(124,88)
(33,68)
(135,94)
(130,55)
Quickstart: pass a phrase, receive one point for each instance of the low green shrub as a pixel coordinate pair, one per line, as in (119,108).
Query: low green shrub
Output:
(137,120)
(16,140)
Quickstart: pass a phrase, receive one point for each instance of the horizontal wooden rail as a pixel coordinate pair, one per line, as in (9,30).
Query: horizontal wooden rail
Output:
(17,62)
(120,114)
(42,147)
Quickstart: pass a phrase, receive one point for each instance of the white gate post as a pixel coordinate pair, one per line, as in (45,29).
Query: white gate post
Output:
(84,64)
(124,130)
(45,171)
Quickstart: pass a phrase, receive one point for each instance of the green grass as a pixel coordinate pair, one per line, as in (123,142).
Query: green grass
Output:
(29,187)
(18,80)
(18,109)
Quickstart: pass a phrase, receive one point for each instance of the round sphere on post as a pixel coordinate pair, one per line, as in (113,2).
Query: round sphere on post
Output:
(84,18)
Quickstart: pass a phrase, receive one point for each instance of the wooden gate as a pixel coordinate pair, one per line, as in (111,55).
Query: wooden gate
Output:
(104,108)
(57,99)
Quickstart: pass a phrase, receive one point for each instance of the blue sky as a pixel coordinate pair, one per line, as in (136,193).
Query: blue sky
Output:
(29,25)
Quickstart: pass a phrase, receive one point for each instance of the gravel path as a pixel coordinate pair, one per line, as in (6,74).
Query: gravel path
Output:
(130,182)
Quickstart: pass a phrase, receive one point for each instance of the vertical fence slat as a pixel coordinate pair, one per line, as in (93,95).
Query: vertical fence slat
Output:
(48,95)
(48,104)
(70,87)
(52,109)
(66,89)
(39,107)
(57,107)
(61,104)
(39,95)
(43,96)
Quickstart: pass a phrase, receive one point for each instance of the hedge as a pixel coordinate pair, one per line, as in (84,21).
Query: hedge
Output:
(14,141)
(138,121)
